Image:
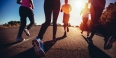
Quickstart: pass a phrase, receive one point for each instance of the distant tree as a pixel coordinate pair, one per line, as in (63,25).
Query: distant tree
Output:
(12,23)
(108,18)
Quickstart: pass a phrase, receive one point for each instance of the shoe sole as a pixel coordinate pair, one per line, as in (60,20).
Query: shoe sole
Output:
(37,48)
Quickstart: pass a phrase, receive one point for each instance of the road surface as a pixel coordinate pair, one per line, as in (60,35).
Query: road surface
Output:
(72,46)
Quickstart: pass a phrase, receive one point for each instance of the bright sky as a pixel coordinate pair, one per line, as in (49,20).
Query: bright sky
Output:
(9,11)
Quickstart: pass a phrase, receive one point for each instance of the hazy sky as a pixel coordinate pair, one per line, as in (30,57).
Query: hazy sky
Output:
(9,11)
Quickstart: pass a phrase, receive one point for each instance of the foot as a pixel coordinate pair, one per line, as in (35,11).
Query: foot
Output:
(54,40)
(65,34)
(19,39)
(89,40)
(27,32)
(109,43)
(38,47)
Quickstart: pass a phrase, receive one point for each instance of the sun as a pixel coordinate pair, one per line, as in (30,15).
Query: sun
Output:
(77,6)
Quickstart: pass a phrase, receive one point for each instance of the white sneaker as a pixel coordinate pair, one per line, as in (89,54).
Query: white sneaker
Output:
(27,32)
(19,39)
(38,47)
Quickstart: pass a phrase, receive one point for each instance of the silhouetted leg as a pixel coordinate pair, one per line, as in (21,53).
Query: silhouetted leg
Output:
(22,26)
(31,18)
(46,24)
(65,27)
(55,16)
(95,16)
(22,19)
(82,28)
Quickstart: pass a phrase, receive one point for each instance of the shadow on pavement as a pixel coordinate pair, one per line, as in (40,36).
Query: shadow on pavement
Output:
(30,52)
(26,54)
(62,37)
(49,44)
(95,52)
(7,45)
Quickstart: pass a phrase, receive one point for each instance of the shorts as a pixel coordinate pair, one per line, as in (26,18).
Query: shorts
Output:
(66,18)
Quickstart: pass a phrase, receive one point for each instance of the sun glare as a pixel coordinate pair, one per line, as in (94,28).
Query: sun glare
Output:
(75,17)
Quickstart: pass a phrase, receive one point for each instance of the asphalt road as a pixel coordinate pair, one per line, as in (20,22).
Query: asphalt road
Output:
(72,46)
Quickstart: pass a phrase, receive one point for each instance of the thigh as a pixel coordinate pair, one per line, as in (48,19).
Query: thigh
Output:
(55,14)
(48,13)
(30,15)
(97,16)
(97,12)
(22,15)
(22,11)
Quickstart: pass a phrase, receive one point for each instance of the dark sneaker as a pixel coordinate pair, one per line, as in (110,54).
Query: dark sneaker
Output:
(38,47)
(27,32)
(19,39)
(109,43)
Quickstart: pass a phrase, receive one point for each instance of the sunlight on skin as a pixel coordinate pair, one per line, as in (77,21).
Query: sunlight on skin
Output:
(75,17)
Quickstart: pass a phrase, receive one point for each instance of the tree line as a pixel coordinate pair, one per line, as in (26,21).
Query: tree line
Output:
(107,19)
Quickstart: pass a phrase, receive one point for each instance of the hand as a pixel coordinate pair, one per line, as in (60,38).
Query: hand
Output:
(33,7)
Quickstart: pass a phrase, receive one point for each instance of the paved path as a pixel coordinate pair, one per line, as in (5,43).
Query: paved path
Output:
(72,46)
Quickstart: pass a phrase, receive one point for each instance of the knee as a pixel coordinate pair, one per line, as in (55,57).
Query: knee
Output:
(46,23)
(32,22)
(54,23)
(23,25)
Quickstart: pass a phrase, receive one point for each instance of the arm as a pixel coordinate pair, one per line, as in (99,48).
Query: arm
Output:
(19,2)
(89,1)
(70,8)
(61,10)
(31,1)
(81,11)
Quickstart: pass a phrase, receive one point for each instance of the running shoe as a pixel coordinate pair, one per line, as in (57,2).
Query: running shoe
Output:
(19,39)
(27,32)
(38,47)
(109,43)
